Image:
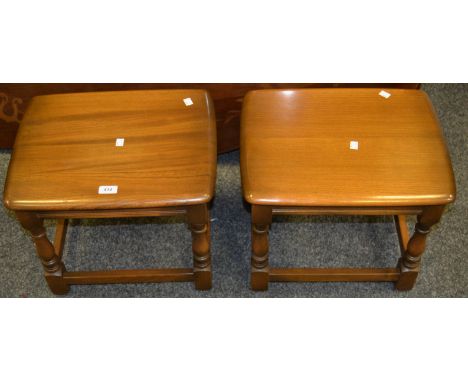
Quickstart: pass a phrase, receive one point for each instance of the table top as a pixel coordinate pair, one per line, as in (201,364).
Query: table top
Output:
(67,149)
(343,147)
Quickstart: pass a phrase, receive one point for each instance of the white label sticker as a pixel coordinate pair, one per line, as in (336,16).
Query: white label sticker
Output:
(188,101)
(108,189)
(120,142)
(384,94)
(354,145)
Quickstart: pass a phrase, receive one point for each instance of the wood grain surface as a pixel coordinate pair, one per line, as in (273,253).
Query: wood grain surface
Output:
(295,149)
(227,100)
(65,150)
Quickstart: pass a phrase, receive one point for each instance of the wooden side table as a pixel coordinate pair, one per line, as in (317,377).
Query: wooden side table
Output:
(115,154)
(343,152)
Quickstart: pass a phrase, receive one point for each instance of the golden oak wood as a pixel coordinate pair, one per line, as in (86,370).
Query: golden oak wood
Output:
(410,260)
(295,149)
(296,159)
(66,148)
(227,100)
(129,276)
(402,231)
(60,235)
(66,143)
(261,221)
(335,274)
(51,263)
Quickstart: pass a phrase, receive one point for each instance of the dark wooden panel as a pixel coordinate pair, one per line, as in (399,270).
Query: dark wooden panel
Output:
(227,98)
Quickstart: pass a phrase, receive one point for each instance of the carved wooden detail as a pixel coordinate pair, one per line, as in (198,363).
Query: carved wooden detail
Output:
(59,279)
(198,219)
(260,246)
(410,262)
(51,262)
(261,220)
(13,103)
(11,112)
(404,275)
(200,246)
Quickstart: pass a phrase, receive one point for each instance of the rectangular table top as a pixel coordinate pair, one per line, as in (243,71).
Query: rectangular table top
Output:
(343,147)
(157,148)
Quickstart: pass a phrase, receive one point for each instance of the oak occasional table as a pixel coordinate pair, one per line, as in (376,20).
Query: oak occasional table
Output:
(115,154)
(343,152)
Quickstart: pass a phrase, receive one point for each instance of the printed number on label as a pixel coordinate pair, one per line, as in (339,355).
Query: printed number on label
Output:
(108,189)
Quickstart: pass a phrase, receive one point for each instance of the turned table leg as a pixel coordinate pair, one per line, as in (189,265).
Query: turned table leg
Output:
(261,220)
(53,266)
(409,263)
(199,223)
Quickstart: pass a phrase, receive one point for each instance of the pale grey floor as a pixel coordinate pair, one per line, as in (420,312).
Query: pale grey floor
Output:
(328,241)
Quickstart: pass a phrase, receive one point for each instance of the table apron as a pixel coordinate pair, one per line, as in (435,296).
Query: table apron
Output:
(122,213)
(293,210)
